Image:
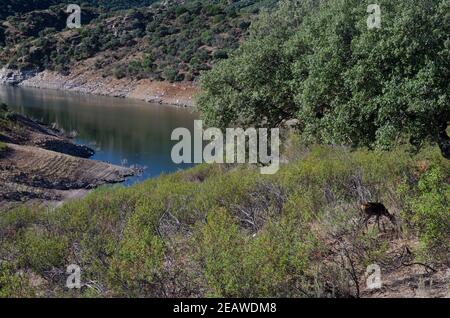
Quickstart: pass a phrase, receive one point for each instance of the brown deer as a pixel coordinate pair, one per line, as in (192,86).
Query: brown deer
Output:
(378,210)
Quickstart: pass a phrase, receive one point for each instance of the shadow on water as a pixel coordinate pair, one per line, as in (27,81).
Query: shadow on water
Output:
(122,131)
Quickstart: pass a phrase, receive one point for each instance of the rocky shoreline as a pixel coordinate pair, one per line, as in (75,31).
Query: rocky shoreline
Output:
(40,165)
(84,81)
(14,77)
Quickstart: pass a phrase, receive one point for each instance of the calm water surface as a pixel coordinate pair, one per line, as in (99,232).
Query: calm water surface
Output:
(122,131)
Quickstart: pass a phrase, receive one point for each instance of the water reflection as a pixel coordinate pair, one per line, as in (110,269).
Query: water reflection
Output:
(121,130)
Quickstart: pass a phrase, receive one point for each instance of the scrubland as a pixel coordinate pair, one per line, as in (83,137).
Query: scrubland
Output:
(224,230)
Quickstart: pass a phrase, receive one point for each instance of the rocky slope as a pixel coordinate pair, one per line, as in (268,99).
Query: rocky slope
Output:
(14,77)
(39,164)
(116,53)
(180,94)
(84,81)
(154,53)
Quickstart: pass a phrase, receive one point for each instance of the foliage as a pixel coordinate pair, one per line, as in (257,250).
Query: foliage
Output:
(318,62)
(12,284)
(17,7)
(223,230)
(431,211)
(219,230)
(2,147)
(171,40)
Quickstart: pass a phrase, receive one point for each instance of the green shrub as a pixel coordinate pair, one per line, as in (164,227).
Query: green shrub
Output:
(221,252)
(120,71)
(172,75)
(42,251)
(430,206)
(165,31)
(2,147)
(13,284)
(220,55)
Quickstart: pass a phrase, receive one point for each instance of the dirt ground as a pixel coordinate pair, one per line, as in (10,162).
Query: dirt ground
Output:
(401,277)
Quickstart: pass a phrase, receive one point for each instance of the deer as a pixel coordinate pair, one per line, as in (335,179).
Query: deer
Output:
(378,210)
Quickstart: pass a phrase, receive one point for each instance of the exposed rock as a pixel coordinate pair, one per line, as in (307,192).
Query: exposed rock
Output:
(83,81)
(42,165)
(291,123)
(40,168)
(14,77)
(67,148)
(32,133)
(180,94)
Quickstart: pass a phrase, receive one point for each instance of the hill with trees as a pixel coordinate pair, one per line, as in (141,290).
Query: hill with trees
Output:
(173,41)
(18,7)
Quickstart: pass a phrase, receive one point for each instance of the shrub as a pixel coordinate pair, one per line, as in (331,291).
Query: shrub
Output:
(42,251)
(172,75)
(3,147)
(226,230)
(13,284)
(430,206)
(220,55)
(221,251)
(120,71)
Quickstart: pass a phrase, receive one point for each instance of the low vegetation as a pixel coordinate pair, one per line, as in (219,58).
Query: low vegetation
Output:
(2,147)
(218,230)
(5,120)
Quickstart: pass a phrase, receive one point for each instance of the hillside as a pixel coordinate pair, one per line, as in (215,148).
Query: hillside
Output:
(19,7)
(174,41)
(228,231)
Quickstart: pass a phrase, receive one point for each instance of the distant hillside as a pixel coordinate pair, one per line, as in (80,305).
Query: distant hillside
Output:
(17,7)
(173,41)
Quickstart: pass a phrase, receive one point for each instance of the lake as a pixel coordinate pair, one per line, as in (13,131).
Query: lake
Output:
(121,131)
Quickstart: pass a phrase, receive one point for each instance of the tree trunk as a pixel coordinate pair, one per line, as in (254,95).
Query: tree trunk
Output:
(444,144)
